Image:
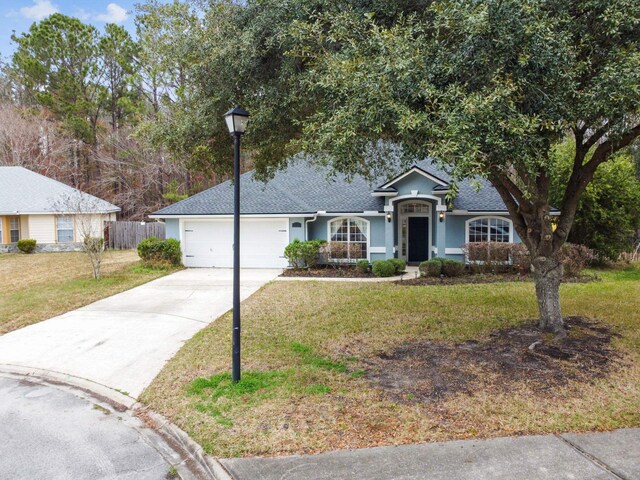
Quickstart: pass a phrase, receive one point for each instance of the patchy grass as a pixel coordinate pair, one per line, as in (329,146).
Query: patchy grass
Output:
(43,285)
(307,385)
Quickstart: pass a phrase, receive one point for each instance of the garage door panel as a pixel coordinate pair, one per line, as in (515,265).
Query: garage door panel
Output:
(262,243)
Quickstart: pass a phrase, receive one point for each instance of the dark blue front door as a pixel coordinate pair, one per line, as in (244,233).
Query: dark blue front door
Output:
(418,239)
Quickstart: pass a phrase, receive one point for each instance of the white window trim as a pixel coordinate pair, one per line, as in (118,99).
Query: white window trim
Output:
(351,218)
(402,216)
(466,235)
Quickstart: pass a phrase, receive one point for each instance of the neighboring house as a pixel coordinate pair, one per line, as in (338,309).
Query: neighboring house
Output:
(405,217)
(55,215)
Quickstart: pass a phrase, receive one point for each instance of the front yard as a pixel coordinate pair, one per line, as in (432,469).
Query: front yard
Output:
(331,365)
(40,286)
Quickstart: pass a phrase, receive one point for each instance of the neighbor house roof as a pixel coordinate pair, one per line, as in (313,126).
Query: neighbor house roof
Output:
(303,188)
(25,192)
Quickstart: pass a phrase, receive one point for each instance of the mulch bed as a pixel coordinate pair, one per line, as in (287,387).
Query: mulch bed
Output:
(428,372)
(480,278)
(327,272)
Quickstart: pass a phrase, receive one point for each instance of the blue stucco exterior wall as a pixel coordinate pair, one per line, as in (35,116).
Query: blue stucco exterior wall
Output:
(296,232)
(415,181)
(172,228)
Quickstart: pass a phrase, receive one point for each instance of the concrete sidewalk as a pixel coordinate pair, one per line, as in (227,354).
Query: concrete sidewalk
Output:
(594,456)
(123,341)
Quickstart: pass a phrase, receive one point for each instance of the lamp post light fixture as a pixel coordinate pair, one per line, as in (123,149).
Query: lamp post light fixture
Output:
(237,119)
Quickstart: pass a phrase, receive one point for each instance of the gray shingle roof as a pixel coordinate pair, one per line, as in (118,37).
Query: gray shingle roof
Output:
(302,188)
(23,191)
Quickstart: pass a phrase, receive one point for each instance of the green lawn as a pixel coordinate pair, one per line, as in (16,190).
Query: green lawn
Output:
(305,350)
(43,285)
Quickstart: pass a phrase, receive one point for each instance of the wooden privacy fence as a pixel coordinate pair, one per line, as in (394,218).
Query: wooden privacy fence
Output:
(127,235)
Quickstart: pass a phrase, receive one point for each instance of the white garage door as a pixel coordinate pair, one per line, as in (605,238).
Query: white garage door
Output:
(209,243)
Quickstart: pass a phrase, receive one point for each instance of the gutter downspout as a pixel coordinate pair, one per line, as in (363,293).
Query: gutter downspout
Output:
(307,222)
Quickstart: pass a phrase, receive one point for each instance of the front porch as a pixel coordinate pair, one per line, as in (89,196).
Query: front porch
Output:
(415,229)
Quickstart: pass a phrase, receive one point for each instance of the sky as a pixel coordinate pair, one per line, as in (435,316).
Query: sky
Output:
(18,15)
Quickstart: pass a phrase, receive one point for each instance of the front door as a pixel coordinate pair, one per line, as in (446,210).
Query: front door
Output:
(418,239)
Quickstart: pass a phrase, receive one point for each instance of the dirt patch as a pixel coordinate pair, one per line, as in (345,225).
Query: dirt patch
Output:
(427,372)
(481,278)
(326,272)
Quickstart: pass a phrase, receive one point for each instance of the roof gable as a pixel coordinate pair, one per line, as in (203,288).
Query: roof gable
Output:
(415,170)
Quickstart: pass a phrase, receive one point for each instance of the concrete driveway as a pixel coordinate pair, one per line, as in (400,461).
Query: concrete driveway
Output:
(123,341)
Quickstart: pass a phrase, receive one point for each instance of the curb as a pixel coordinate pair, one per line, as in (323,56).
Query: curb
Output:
(189,459)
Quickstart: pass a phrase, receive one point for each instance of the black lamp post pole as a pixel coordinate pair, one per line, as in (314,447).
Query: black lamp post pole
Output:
(235,370)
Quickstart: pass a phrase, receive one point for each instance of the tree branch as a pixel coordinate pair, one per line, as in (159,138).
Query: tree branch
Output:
(582,175)
(512,206)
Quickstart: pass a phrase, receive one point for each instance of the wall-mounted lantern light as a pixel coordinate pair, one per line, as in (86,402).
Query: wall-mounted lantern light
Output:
(389,217)
(441,216)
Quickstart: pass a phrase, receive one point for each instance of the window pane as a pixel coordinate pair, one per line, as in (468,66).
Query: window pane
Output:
(499,230)
(414,207)
(358,231)
(339,230)
(64,227)
(478,230)
(14,229)
(64,223)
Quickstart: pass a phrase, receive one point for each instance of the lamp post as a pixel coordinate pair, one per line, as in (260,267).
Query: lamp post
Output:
(237,119)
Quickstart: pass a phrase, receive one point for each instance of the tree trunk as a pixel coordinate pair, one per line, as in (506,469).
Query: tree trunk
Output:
(547,274)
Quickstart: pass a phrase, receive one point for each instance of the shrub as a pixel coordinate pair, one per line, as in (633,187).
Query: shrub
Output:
(452,268)
(431,268)
(303,254)
(383,268)
(339,253)
(486,257)
(399,264)
(154,251)
(293,254)
(575,258)
(363,266)
(27,245)
(520,258)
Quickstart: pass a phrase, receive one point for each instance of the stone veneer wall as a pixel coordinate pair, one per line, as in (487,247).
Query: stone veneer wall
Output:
(45,247)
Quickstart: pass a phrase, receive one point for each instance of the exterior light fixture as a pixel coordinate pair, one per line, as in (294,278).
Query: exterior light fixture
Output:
(441,216)
(389,217)
(237,119)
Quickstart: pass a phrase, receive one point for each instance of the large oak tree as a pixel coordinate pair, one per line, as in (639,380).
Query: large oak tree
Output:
(487,87)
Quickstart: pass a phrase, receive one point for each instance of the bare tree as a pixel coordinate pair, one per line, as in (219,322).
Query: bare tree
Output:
(90,216)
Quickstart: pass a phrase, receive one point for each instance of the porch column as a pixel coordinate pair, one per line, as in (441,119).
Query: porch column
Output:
(388,231)
(441,231)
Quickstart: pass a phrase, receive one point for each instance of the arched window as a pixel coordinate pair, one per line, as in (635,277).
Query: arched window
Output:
(489,229)
(348,239)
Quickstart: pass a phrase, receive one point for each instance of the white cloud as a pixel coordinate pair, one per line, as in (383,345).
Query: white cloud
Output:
(39,10)
(115,14)
(82,14)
